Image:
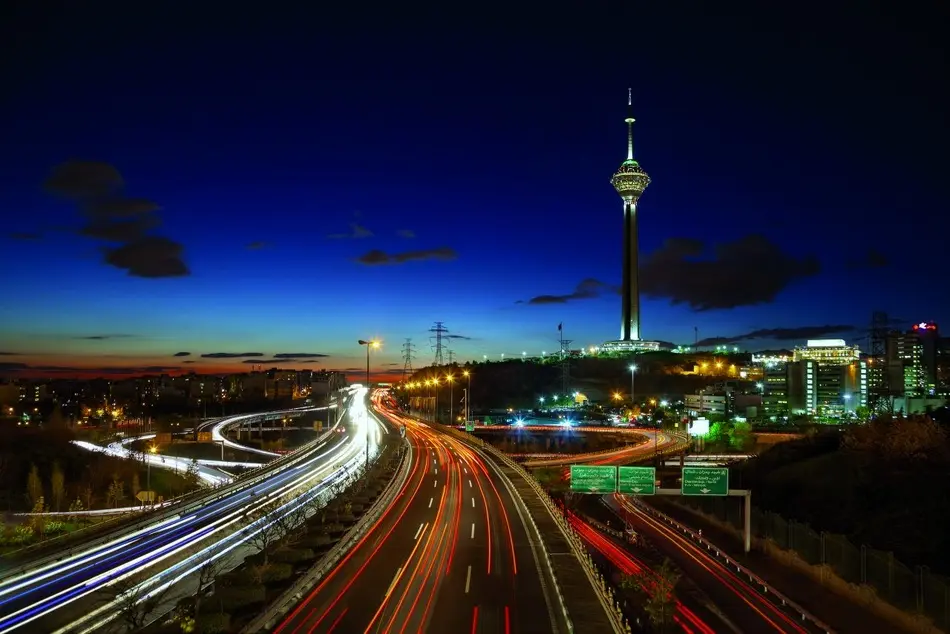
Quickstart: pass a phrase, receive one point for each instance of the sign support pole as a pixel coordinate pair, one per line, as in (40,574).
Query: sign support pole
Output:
(746,511)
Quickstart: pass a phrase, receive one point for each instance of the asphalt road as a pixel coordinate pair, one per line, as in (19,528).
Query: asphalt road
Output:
(740,606)
(452,554)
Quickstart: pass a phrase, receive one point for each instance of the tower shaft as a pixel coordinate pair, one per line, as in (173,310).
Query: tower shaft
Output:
(630,308)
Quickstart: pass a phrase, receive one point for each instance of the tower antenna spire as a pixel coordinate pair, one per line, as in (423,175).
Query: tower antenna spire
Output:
(629,121)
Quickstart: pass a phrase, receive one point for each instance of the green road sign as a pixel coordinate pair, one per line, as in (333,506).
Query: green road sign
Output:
(637,480)
(587,479)
(705,481)
(469,426)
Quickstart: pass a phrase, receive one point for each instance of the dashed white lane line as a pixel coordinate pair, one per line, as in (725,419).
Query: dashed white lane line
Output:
(469,483)
(393,582)
(435,484)
(473,502)
(473,530)
(468,579)
(418,531)
(431,500)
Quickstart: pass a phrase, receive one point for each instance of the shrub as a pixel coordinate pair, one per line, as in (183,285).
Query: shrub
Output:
(235,597)
(213,623)
(293,555)
(53,528)
(276,572)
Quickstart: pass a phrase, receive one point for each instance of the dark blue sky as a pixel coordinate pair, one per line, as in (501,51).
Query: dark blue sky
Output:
(808,145)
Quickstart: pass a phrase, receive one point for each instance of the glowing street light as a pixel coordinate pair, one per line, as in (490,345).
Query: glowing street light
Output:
(451,381)
(633,373)
(468,396)
(371,344)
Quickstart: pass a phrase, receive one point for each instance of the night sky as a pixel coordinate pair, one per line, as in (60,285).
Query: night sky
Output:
(285,184)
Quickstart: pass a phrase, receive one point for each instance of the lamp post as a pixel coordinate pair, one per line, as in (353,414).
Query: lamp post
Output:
(468,396)
(451,380)
(372,343)
(148,471)
(435,385)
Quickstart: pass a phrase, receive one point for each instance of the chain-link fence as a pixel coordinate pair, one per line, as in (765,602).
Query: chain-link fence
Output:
(914,590)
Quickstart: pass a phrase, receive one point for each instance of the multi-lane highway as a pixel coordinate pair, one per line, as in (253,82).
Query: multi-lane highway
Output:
(76,592)
(741,605)
(452,554)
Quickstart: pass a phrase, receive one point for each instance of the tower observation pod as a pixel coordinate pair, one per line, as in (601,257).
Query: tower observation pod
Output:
(630,181)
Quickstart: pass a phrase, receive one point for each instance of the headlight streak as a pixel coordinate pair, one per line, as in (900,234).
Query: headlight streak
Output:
(347,445)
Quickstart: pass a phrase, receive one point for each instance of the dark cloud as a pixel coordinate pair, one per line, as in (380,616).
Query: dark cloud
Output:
(25,236)
(82,180)
(356,232)
(351,370)
(256,245)
(99,371)
(231,355)
(300,355)
(117,208)
(266,361)
(458,337)
(103,337)
(406,233)
(149,257)
(872,259)
(8,354)
(189,361)
(587,289)
(182,354)
(120,230)
(748,271)
(377,257)
(392,364)
(780,334)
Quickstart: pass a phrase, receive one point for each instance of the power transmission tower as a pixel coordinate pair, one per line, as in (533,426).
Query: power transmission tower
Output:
(451,354)
(408,354)
(565,360)
(439,331)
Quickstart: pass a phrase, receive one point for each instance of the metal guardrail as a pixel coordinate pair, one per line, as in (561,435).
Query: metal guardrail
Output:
(729,561)
(172,508)
(604,592)
(292,596)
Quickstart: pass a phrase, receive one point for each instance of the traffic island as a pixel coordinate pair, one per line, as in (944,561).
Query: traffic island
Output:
(580,598)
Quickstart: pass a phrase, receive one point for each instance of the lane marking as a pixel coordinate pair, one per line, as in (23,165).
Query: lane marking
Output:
(393,582)
(464,469)
(473,530)
(436,471)
(468,579)
(470,483)
(431,500)
(473,502)
(418,531)
(435,484)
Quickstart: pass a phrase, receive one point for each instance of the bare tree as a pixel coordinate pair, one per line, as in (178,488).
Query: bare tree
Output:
(34,486)
(262,529)
(137,606)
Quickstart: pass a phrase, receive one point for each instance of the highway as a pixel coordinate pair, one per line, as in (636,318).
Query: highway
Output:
(743,606)
(452,554)
(658,441)
(63,593)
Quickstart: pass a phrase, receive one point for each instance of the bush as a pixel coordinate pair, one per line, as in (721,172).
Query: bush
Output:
(316,542)
(276,572)
(235,597)
(213,623)
(52,528)
(293,555)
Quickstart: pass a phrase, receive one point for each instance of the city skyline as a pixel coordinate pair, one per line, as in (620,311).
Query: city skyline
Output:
(296,211)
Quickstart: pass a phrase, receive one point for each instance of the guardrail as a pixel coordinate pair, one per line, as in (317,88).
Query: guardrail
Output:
(170,510)
(292,596)
(605,593)
(721,555)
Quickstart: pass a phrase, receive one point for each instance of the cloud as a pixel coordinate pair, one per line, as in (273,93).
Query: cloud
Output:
(872,259)
(189,361)
(458,337)
(377,257)
(406,233)
(300,355)
(98,371)
(25,236)
(80,180)
(351,370)
(149,257)
(8,354)
(96,188)
(748,271)
(12,367)
(587,289)
(392,364)
(780,334)
(231,355)
(357,231)
(103,337)
(256,245)
(182,354)
(266,361)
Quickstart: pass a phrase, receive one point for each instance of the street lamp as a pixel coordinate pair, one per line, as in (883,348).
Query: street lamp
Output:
(148,471)
(371,344)
(468,396)
(451,380)
(633,373)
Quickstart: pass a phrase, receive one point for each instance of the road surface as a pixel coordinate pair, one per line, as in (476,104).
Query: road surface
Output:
(452,554)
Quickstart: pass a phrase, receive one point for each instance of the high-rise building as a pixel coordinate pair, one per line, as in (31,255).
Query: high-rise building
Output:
(630,181)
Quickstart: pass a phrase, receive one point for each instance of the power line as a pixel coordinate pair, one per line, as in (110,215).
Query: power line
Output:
(439,331)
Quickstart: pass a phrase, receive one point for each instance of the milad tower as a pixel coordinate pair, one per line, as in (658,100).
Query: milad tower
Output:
(630,181)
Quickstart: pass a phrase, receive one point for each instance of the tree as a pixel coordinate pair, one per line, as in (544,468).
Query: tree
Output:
(57,485)
(136,485)
(192,475)
(34,486)
(116,492)
(862,413)
(659,600)
(741,437)
(260,529)
(136,605)
(86,494)
(38,519)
